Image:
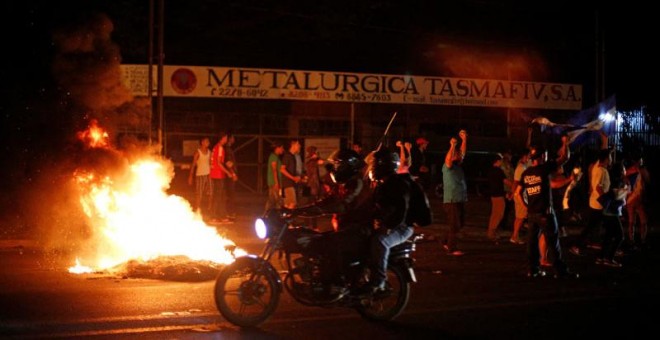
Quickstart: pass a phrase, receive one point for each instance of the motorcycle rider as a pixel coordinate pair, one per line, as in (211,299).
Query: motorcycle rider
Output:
(392,223)
(350,203)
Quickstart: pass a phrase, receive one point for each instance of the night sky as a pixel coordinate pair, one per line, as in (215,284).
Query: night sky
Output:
(553,41)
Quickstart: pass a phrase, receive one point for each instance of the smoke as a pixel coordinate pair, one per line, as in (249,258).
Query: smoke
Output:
(86,67)
(484,62)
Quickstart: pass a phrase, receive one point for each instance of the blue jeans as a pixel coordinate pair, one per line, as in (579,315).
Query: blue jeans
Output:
(546,224)
(380,250)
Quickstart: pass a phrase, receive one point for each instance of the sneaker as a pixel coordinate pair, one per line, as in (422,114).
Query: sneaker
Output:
(599,261)
(575,251)
(516,241)
(368,290)
(612,263)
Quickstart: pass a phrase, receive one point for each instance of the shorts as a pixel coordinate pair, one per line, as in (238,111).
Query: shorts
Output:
(521,208)
(290,197)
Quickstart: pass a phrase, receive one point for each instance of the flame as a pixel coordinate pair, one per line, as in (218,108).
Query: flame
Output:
(79,269)
(132,217)
(94,136)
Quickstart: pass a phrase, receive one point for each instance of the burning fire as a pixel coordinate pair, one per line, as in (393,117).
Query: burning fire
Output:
(132,217)
(94,136)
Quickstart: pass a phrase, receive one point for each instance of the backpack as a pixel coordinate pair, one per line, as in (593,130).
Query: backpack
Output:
(419,209)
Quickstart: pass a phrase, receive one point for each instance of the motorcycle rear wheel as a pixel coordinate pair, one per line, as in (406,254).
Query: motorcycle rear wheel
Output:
(389,304)
(246,293)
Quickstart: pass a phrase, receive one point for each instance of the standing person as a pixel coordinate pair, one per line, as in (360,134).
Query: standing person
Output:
(300,171)
(312,163)
(613,202)
(219,176)
(274,177)
(508,170)
(201,167)
(496,183)
(599,185)
(313,183)
(230,163)
(639,178)
(518,199)
(291,174)
(404,157)
(420,169)
(540,212)
(454,191)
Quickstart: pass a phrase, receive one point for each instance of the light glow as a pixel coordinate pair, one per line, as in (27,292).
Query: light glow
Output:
(132,217)
(260,228)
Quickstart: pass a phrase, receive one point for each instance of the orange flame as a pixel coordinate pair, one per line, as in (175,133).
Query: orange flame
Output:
(79,269)
(94,136)
(132,217)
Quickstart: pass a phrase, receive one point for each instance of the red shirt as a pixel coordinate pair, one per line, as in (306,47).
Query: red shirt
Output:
(218,155)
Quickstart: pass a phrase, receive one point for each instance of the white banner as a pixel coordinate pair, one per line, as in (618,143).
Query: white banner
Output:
(251,83)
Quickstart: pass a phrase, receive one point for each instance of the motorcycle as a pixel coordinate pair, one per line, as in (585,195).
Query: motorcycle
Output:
(248,291)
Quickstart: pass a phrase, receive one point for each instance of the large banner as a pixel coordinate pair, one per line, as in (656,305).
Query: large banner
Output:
(252,83)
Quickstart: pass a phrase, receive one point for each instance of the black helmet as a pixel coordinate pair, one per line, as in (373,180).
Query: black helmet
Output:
(382,164)
(346,164)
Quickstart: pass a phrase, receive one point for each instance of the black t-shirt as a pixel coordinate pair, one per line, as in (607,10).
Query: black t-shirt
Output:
(496,181)
(535,182)
(418,159)
(289,162)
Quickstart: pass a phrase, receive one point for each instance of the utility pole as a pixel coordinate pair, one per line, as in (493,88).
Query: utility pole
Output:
(161,56)
(150,64)
(157,28)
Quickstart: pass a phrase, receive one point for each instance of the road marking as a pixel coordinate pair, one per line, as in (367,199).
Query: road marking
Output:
(124,331)
(22,330)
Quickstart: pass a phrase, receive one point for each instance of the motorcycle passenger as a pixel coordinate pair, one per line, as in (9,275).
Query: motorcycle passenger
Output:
(392,201)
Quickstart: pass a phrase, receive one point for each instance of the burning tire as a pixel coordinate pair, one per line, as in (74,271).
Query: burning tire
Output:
(387,305)
(247,292)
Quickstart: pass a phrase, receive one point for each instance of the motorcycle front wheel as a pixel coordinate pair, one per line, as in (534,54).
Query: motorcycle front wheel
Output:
(387,305)
(247,292)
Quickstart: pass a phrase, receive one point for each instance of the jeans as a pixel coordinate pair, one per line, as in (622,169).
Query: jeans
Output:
(612,237)
(546,224)
(455,218)
(274,199)
(380,250)
(219,198)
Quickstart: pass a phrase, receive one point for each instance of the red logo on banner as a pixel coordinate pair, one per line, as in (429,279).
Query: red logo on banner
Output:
(183,81)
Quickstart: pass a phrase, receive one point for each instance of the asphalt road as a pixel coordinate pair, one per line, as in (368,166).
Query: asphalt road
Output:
(483,294)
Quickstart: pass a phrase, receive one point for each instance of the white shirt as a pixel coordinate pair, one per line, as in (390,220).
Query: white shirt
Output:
(203,163)
(600,178)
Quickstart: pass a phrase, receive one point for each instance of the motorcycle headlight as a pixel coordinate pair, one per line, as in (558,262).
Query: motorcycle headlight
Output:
(260,228)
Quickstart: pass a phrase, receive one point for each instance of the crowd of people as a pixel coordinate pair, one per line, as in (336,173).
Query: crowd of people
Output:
(542,189)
